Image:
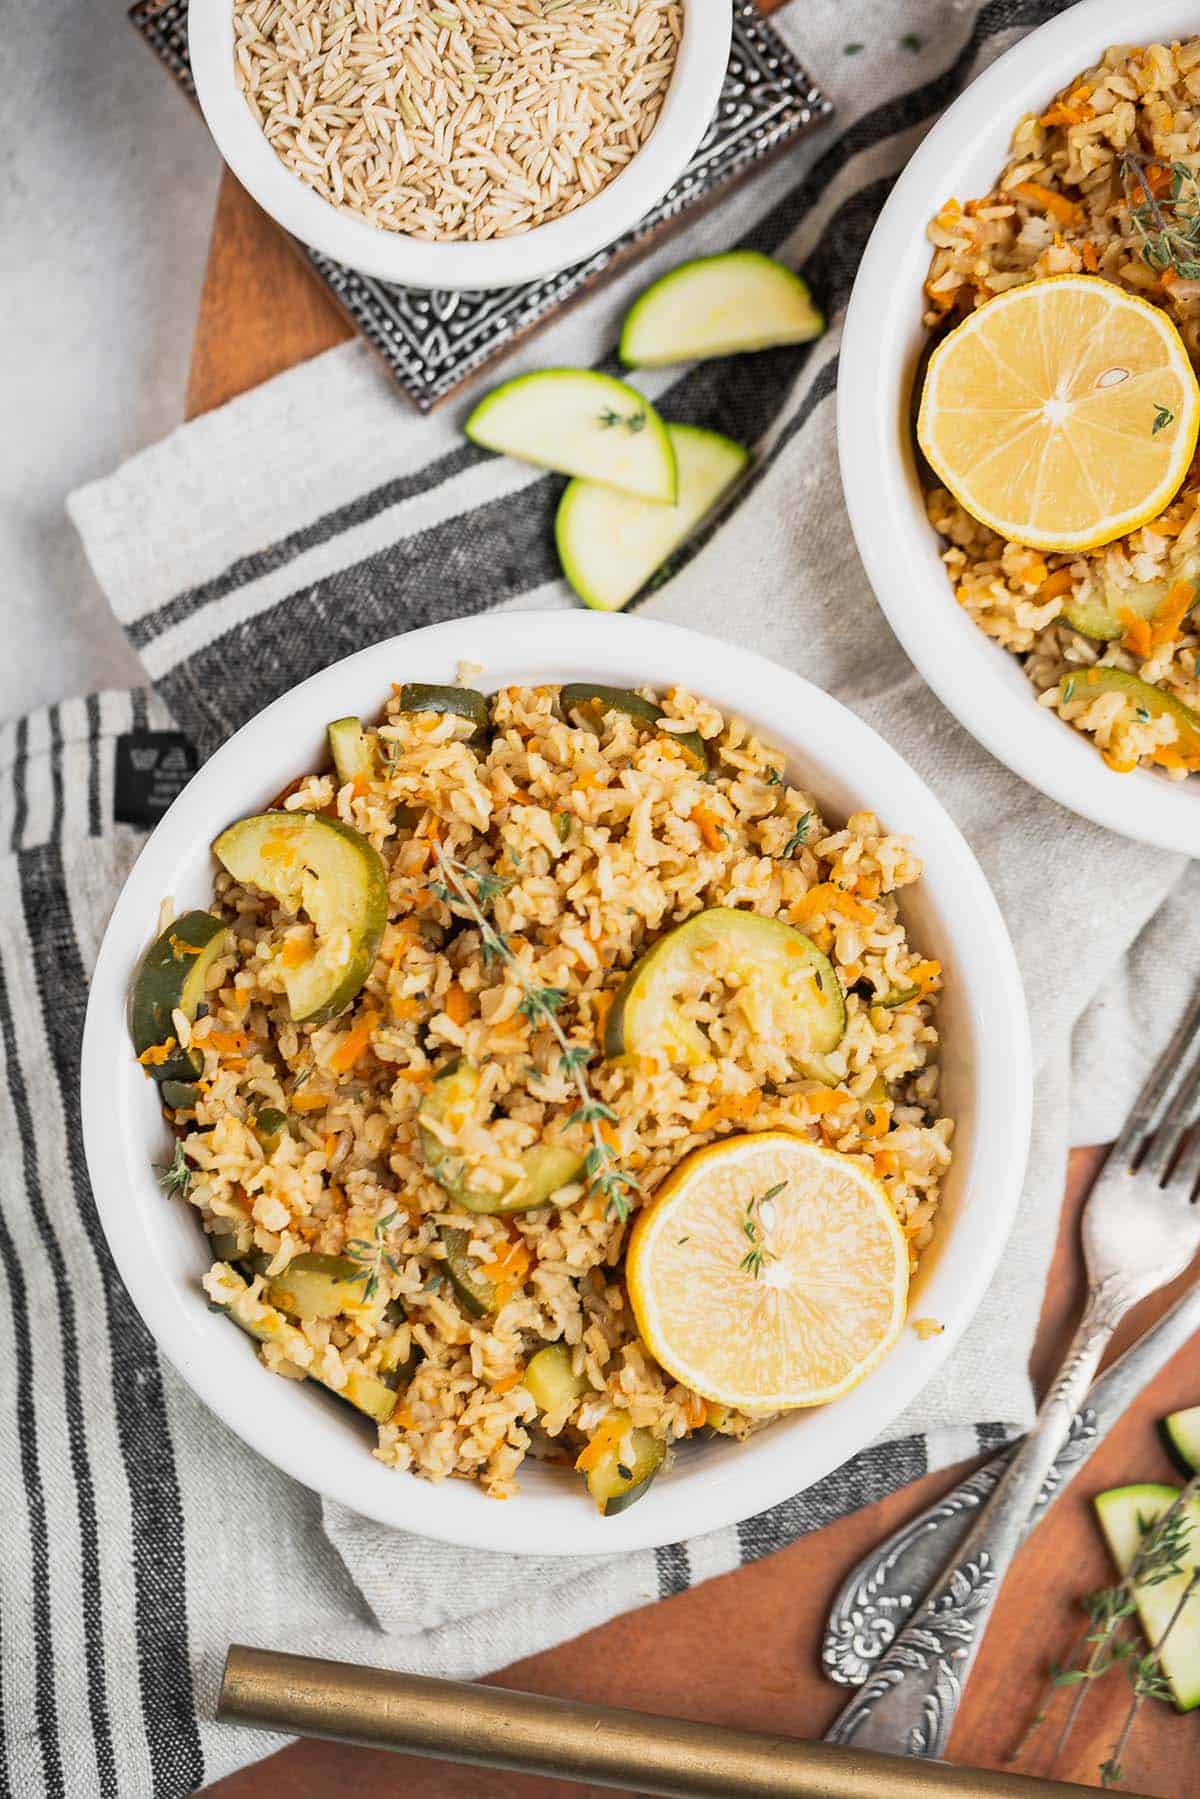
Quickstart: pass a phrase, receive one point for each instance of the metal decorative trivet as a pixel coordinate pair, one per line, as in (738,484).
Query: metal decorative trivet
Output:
(434,341)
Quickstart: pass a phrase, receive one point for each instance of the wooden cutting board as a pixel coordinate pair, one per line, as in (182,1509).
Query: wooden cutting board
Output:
(741,1650)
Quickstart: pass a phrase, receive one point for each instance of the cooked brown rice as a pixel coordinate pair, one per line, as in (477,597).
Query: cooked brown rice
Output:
(1067,203)
(604,836)
(468,119)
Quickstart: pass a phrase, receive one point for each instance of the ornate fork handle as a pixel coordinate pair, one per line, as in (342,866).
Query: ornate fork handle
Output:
(911,1698)
(878,1595)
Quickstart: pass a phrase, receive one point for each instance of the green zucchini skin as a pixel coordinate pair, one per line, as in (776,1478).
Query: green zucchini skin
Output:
(459,702)
(593,694)
(473,1291)
(547,1166)
(1091,682)
(1180,1432)
(172,978)
(181,1096)
(317,1286)
(552,1381)
(349,748)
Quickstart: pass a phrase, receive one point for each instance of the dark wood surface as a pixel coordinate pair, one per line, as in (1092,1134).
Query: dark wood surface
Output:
(741,1650)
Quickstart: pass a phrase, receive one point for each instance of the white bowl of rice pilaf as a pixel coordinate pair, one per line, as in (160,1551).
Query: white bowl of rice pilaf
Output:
(977,678)
(948,913)
(479,144)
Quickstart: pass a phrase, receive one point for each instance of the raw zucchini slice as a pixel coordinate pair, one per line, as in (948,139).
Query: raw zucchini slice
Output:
(593,700)
(610,543)
(1098,617)
(1087,683)
(1123,1513)
(804,1008)
(718,306)
(446,1108)
(614,1482)
(322,867)
(579,422)
(318,1286)
(349,748)
(552,1381)
(172,978)
(1181,1432)
(461,702)
(472,1289)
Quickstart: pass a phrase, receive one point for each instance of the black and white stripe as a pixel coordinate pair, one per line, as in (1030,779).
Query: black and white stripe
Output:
(109,1635)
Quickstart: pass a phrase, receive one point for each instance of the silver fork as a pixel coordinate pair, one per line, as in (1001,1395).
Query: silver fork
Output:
(1140,1229)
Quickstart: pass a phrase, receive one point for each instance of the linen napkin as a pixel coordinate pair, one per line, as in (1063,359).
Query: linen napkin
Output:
(255,546)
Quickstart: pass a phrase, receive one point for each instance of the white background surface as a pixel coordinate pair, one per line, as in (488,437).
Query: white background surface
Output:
(105,211)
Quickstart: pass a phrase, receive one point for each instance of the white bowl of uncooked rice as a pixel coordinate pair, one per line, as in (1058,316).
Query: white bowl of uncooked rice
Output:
(607,884)
(463,144)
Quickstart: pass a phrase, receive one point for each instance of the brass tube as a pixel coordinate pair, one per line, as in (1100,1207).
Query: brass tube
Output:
(490,1727)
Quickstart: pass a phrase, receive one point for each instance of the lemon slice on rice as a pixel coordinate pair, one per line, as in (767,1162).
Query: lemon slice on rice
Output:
(768,1273)
(1063,413)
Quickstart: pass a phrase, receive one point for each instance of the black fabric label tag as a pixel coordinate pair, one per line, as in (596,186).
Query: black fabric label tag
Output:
(153,767)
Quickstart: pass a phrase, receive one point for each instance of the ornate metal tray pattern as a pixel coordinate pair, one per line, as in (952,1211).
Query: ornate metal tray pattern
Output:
(434,341)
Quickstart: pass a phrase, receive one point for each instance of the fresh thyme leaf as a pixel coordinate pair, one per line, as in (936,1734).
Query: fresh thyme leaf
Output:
(1068,690)
(578,1056)
(852,49)
(910,41)
(798,836)
(175,1178)
(1169,226)
(1162,417)
(773,777)
(633,421)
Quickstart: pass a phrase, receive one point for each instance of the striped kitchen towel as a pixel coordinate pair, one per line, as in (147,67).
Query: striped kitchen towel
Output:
(251,548)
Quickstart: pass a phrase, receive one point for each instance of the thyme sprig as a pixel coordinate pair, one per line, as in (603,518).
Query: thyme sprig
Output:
(175,1178)
(798,836)
(632,421)
(753,1228)
(372,1254)
(1164,1542)
(540,1006)
(1169,227)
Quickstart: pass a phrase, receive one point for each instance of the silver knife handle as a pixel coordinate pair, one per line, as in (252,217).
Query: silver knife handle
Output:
(910,1701)
(879,1593)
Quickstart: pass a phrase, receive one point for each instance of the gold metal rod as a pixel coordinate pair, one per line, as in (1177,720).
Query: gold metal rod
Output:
(492,1727)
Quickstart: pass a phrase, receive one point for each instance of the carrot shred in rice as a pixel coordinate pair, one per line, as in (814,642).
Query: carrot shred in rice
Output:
(1171,614)
(604,1438)
(710,827)
(457,1007)
(1136,638)
(1046,200)
(354,1044)
(1060,582)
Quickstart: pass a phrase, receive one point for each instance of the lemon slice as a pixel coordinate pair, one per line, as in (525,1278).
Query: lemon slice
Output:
(1062,413)
(768,1273)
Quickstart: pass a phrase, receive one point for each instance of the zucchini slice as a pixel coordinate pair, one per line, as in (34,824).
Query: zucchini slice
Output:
(181,1096)
(1123,1513)
(610,543)
(1088,683)
(1098,617)
(320,866)
(785,970)
(365,1392)
(460,702)
(591,698)
(719,306)
(318,1286)
(552,1381)
(349,748)
(172,978)
(446,1108)
(269,1126)
(580,422)
(1181,1433)
(472,1289)
(614,1483)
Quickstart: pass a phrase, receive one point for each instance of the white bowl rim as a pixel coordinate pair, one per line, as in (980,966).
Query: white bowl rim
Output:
(121,1122)
(690,102)
(975,679)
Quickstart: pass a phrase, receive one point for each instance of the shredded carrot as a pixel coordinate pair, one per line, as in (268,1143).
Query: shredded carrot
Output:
(421,1077)
(879,1122)
(867,887)
(181,950)
(849,907)
(1167,756)
(697,1410)
(710,827)
(739,1106)
(508,1381)
(1165,527)
(1062,114)
(457,1006)
(295,952)
(227,1043)
(307,1101)
(586,781)
(158,1053)
(926,977)
(602,1006)
(354,1044)
(1119,764)
(817,899)
(886,1162)
(1090,255)
(1059,582)
(329,1143)
(358,785)
(604,1438)
(403,1416)
(403,1007)
(1137,632)
(1171,614)
(825,1100)
(1046,200)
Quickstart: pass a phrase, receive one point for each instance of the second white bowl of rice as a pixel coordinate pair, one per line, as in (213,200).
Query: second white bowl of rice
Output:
(981,683)
(986,1083)
(357,132)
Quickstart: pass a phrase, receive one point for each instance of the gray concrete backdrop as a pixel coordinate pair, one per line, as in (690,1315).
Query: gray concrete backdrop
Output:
(105,208)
